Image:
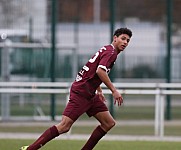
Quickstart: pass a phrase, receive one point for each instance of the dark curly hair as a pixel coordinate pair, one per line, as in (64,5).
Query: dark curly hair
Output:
(120,31)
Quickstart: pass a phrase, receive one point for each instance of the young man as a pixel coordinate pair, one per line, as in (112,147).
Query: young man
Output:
(86,95)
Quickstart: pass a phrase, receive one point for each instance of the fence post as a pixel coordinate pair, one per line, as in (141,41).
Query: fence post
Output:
(161,134)
(53,49)
(5,73)
(168,57)
(70,131)
(112,25)
(157,114)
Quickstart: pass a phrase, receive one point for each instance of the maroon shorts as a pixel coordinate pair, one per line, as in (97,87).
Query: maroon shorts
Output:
(78,105)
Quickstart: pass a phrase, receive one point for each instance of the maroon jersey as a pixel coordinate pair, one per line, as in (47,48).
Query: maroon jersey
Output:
(87,80)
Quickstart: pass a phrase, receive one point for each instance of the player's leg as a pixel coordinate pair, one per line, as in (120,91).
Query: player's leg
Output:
(51,133)
(106,120)
(46,136)
(100,111)
(106,123)
(65,125)
(76,106)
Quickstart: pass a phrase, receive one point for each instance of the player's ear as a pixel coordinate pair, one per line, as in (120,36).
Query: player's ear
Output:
(114,38)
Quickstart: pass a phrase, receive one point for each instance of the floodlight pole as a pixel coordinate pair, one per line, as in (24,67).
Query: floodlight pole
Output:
(168,59)
(53,49)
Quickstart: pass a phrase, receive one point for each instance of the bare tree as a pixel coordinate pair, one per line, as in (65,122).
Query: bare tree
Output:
(12,11)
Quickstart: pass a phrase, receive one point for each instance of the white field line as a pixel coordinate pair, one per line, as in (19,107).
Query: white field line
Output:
(85,137)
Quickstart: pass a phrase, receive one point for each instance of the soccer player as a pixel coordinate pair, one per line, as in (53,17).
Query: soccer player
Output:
(86,94)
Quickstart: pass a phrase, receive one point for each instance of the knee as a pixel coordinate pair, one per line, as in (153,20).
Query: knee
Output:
(112,123)
(65,130)
(63,127)
(108,125)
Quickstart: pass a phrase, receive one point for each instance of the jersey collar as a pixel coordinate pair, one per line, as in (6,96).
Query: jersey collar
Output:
(112,46)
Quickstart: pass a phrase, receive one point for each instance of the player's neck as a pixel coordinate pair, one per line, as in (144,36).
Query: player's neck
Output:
(117,50)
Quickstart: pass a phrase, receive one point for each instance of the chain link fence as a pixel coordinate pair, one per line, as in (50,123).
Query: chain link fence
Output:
(87,26)
(82,27)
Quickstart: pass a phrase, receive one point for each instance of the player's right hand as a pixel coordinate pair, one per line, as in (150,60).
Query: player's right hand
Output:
(117,98)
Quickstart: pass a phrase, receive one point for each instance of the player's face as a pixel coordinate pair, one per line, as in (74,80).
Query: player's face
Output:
(121,42)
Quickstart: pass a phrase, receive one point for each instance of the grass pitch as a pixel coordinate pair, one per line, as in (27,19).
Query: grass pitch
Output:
(7,144)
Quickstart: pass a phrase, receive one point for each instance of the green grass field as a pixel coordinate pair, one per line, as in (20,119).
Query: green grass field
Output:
(123,113)
(102,145)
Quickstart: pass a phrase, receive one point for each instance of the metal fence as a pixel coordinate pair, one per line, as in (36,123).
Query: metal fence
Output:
(86,24)
(157,90)
(32,61)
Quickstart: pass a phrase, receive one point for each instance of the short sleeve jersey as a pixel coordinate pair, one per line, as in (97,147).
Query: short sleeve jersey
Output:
(87,80)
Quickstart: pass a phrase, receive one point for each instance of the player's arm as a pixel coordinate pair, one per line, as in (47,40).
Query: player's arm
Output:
(106,80)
